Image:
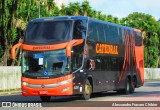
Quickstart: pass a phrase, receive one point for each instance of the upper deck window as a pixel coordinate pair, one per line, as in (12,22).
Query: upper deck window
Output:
(45,32)
(138,39)
(79,31)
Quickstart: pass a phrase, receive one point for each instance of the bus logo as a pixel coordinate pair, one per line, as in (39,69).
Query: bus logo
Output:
(106,49)
(45,72)
(43,86)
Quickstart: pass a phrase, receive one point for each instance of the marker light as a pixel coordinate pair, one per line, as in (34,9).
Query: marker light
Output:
(65,89)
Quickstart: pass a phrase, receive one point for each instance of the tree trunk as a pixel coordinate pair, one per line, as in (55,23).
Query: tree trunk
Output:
(85,13)
(5,57)
(19,58)
(3,62)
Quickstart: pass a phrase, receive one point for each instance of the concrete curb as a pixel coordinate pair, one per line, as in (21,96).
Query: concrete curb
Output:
(10,93)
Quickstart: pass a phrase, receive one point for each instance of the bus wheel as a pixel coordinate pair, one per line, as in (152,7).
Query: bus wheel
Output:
(45,98)
(87,91)
(127,87)
(133,84)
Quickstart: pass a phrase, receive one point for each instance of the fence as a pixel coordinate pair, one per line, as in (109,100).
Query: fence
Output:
(10,77)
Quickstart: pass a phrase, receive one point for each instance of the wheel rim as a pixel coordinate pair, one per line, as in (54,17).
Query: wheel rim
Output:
(87,89)
(133,84)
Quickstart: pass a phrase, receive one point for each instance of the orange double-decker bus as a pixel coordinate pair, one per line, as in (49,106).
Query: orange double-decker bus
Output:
(77,55)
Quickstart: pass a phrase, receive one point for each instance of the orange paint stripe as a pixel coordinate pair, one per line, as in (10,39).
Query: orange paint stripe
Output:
(44,47)
(80,41)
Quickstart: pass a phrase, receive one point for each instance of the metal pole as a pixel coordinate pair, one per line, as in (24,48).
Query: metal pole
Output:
(39,8)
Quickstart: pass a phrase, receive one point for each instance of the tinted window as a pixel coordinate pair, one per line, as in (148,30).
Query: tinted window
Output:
(79,29)
(48,63)
(100,32)
(96,31)
(114,64)
(77,56)
(48,31)
(113,34)
(92,31)
(138,39)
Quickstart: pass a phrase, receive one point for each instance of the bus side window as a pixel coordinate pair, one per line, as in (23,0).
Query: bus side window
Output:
(77,56)
(92,31)
(107,33)
(103,64)
(138,39)
(88,64)
(114,63)
(100,32)
(79,29)
(98,64)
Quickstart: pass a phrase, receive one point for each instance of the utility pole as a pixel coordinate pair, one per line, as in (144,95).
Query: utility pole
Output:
(39,6)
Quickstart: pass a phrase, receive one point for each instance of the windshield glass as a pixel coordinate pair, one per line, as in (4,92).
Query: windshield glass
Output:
(45,64)
(48,31)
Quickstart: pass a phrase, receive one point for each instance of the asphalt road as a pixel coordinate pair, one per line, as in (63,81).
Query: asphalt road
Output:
(150,92)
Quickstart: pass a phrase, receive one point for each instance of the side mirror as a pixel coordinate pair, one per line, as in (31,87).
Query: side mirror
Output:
(13,50)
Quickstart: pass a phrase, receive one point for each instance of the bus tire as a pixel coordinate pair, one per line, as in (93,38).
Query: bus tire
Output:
(126,90)
(133,84)
(87,91)
(45,98)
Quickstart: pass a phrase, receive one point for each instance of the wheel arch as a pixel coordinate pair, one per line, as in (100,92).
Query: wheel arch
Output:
(91,82)
(134,78)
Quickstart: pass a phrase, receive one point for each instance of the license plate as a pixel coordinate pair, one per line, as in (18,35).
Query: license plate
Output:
(43,92)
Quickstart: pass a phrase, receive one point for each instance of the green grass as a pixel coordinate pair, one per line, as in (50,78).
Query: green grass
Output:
(11,90)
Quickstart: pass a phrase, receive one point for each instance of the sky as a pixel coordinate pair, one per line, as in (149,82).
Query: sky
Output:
(121,8)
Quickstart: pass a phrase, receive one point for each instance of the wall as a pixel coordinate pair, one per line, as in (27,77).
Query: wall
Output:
(152,74)
(10,77)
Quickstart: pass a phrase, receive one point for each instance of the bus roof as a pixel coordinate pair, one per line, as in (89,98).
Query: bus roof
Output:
(84,17)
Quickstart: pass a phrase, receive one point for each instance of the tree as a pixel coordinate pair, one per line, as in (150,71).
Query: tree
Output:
(109,18)
(86,8)
(63,10)
(116,20)
(52,8)
(8,32)
(93,14)
(73,9)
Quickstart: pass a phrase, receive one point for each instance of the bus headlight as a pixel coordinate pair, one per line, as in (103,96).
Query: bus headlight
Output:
(24,83)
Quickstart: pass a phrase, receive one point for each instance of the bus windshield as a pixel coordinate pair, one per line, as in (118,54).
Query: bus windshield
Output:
(44,32)
(45,64)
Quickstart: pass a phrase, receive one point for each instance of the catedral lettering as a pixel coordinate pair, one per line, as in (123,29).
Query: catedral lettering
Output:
(106,49)
(41,48)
